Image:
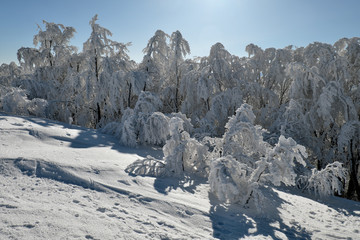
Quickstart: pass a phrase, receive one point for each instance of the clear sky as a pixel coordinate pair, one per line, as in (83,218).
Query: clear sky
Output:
(234,23)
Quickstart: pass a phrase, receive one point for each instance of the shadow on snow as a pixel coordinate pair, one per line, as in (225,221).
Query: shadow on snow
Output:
(86,138)
(187,184)
(232,221)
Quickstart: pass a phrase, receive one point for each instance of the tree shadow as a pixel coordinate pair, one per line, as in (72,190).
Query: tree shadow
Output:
(232,221)
(86,138)
(186,183)
(45,122)
(340,204)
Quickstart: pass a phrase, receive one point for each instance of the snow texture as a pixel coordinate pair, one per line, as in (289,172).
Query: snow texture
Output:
(59,181)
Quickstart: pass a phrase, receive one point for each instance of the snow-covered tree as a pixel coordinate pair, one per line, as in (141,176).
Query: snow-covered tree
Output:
(322,108)
(15,101)
(183,155)
(53,43)
(231,181)
(349,49)
(275,75)
(349,152)
(96,48)
(249,162)
(219,61)
(255,63)
(179,49)
(209,113)
(29,58)
(156,129)
(9,73)
(328,181)
(53,47)
(156,59)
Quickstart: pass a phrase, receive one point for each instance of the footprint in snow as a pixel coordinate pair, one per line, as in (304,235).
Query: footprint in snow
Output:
(101,209)
(8,206)
(89,237)
(189,212)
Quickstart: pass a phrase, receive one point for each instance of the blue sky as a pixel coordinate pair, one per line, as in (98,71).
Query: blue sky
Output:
(234,23)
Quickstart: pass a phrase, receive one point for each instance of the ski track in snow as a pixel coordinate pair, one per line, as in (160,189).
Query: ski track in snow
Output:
(64,182)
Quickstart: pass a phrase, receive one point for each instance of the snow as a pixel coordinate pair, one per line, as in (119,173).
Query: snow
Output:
(59,181)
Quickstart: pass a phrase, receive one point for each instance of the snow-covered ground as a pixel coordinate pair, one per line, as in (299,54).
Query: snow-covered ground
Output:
(64,182)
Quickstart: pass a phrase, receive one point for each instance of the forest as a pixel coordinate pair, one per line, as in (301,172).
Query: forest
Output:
(276,117)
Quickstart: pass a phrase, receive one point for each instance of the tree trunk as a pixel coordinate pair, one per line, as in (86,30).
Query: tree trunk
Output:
(177,94)
(144,89)
(129,96)
(98,111)
(177,87)
(96,68)
(353,191)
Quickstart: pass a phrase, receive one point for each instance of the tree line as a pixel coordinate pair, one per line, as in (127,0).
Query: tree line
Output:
(291,108)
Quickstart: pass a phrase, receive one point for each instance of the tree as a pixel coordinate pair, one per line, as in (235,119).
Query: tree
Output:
(53,43)
(155,62)
(275,75)
(255,62)
(15,101)
(249,162)
(9,73)
(220,64)
(179,49)
(349,149)
(349,49)
(323,109)
(156,129)
(328,181)
(222,106)
(96,48)
(29,58)
(53,47)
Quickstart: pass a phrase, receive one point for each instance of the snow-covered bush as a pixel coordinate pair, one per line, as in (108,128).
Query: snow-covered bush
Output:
(196,158)
(233,182)
(143,124)
(147,167)
(223,105)
(281,161)
(37,107)
(16,102)
(111,128)
(125,130)
(148,103)
(328,181)
(249,162)
(241,136)
(175,146)
(182,155)
(156,129)
(188,127)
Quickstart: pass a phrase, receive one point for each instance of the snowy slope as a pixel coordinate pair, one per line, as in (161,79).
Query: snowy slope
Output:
(64,182)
